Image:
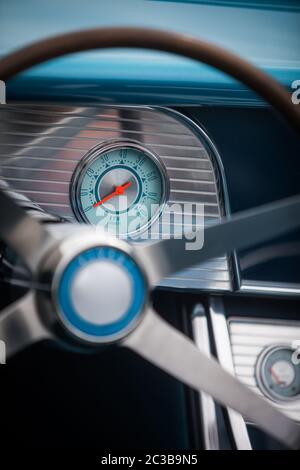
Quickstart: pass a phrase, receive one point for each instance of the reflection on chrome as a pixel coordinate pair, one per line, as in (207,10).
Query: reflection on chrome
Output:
(120,221)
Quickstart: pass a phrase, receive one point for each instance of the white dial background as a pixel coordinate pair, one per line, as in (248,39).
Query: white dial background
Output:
(139,203)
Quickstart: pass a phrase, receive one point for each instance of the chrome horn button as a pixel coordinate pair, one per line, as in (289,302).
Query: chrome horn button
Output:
(100,294)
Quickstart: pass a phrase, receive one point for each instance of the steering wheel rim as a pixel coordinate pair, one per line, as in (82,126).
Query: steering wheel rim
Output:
(151,329)
(101,38)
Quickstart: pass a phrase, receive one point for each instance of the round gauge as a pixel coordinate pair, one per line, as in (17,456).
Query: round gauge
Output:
(119,186)
(277,375)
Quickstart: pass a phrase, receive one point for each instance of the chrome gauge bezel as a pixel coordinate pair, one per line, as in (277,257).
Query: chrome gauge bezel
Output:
(261,380)
(96,152)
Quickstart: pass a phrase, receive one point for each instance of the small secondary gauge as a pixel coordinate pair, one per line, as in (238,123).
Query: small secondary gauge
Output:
(277,375)
(119,186)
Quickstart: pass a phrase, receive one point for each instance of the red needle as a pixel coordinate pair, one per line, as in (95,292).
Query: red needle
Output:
(117,192)
(275,377)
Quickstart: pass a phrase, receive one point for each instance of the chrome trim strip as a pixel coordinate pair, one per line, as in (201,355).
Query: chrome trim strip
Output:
(223,188)
(224,355)
(207,405)
(280,289)
(68,133)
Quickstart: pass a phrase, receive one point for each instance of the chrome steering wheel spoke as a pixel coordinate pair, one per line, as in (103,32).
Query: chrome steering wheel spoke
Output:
(170,350)
(21,326)
(28,238)
(243,230)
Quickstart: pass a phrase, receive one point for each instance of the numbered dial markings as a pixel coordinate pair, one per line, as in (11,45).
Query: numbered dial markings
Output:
(120,188)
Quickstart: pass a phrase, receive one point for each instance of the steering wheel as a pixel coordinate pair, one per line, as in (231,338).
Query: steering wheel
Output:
(100,287)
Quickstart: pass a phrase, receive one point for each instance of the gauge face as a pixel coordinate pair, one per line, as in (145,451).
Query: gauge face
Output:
(120,187)
(278,376)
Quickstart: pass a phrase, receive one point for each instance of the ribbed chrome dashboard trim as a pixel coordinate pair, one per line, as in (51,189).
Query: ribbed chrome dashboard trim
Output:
(270,289)
(41,146)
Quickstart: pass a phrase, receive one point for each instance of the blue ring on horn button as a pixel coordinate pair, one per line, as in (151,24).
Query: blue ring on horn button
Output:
(67,311)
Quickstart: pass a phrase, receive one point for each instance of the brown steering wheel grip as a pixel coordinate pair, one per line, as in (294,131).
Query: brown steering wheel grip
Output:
(264,85)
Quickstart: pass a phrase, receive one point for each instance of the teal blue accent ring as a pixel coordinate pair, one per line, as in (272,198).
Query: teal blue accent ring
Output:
(68,312)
